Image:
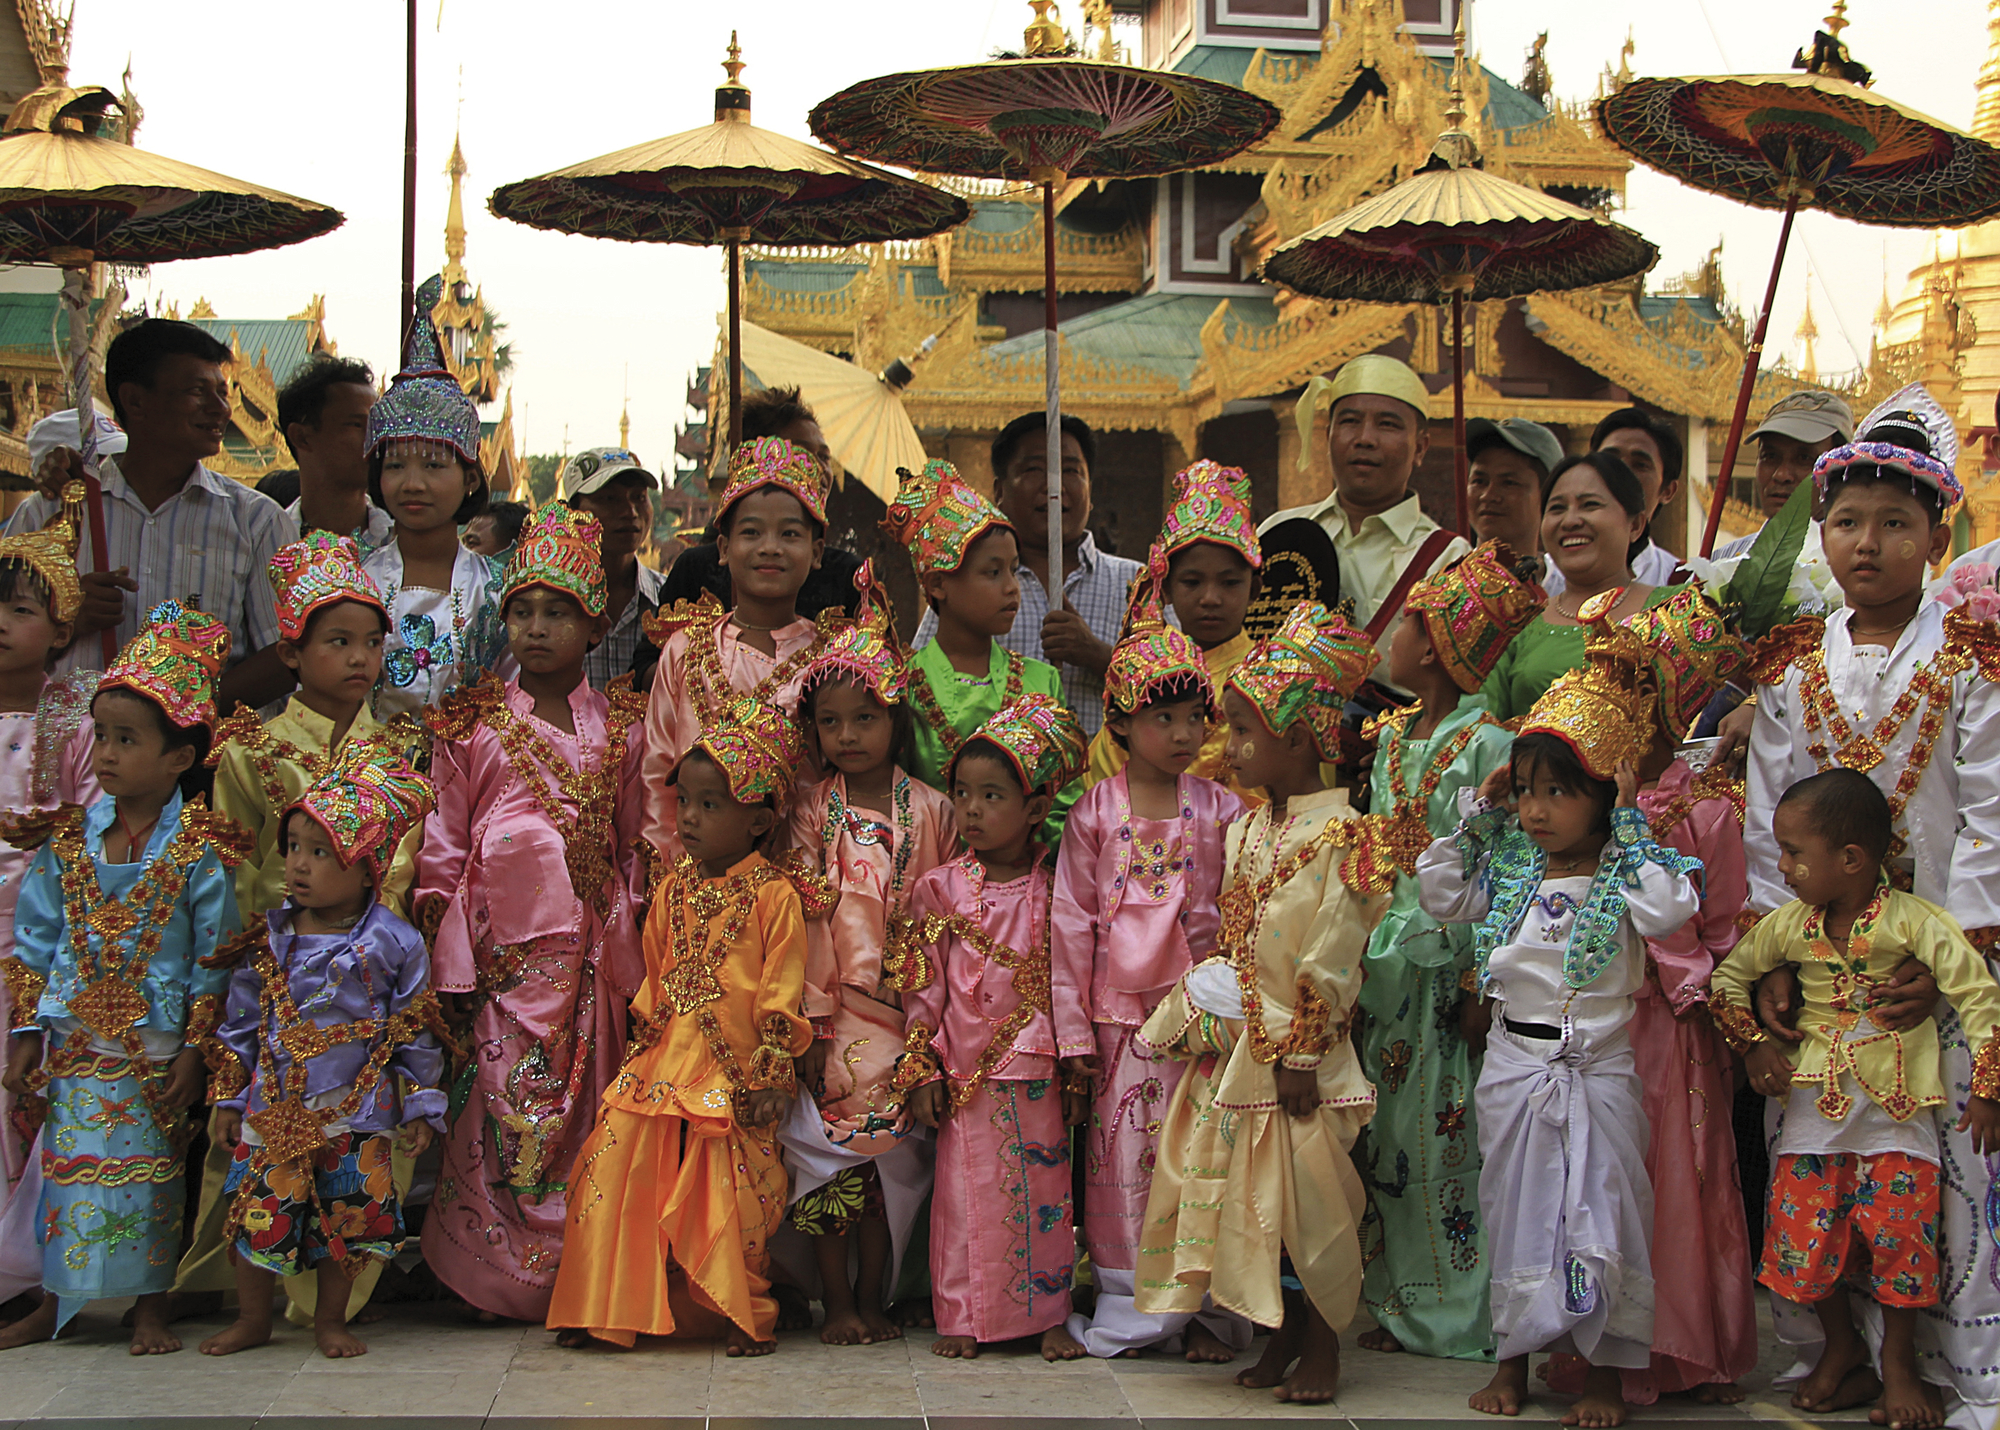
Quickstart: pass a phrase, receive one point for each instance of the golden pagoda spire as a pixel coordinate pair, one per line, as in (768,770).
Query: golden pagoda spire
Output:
(1808,334)
(625,424)
(1986,107)
(454,219)
(1883,312)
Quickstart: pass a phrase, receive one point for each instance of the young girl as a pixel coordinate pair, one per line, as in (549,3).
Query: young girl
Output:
(1565,889)
(680,1188)
(529,882)
(325,1051)
(45,730)
(423,469)
(120,917)
(859,1166)
(1425,1276)
(771,525)
(984,1044)
(1136,886)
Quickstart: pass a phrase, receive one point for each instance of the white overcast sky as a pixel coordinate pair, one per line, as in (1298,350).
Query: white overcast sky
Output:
(309,98)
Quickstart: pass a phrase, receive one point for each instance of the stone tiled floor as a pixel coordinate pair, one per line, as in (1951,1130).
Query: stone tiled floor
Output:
(427,1369)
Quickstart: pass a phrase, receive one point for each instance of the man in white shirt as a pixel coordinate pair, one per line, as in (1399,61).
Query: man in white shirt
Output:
(1646,443)
(323,412)
(174,529)
(609,483)
(1377,435)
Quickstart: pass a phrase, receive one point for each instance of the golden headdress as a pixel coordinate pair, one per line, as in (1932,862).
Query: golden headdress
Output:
(774,462)
(562,548)
(1600,709)
(1039,736)
(1152,656)
(367,800)
(756,746)
(51,554)
(173,662)
(938,515)
(1309,669)
(1473,608)
(320,570)
(1693,653)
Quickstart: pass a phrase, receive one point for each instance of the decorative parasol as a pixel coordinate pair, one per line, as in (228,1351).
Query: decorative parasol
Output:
(1820,139)
(860,414)
(730,183)
(1454,228)
(1047,117)
(73,196)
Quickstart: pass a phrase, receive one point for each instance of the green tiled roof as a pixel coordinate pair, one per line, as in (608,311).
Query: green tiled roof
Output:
(1658,307)
(285,343)
(30,322)
(805,277)
(1158,331)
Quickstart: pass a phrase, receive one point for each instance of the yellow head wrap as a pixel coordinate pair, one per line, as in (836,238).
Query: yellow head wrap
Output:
(1371,372)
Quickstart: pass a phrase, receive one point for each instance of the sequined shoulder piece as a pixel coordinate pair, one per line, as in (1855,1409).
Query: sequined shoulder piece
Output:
(627,705)
(680,616)
(241,727)
(816,895)
(1777,652)
(232,953)
(231,842)
(32,828)
(459,713)
(1972,642)
(1396,717)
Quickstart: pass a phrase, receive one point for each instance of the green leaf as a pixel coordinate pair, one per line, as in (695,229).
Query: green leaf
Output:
(1758,589)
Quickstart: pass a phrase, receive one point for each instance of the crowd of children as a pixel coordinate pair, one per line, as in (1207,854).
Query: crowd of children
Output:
(821,970)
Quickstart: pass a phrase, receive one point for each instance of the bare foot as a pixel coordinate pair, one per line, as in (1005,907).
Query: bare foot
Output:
(575,1338)
(879,1327)
(956,1347)
(1717,1392)
(1317,1378)
(844,1328)
(795,1312)
(1507,1392)
(1908,1402)
(1279,1352)
(913,1314)
(1378,1340)
(1842,1380)
(38,1325)
(336,1342)
(1059,1344)
(368,1315)
(151,1335)
(1602,1404)
(1202,1346)
(741,1343)
(240,1335)
(181,1306)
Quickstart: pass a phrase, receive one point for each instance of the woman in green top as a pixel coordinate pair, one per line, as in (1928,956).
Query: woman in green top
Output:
(1593,523)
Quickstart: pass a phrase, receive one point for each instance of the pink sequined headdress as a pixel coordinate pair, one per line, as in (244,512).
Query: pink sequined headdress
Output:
(866,651)
(173,662)
(939,516)
(774,462)
(1040,737)
(320,570)
(562,548)
(1153,656)
(756,746)
(1308,670)
(367,800)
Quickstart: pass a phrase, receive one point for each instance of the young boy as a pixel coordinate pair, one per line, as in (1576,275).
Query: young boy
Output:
(771,525)
(964,552)
(1253,1163)
(119,919)
(1205,563)
(986,1043)
(1426,1276)
(1857,1161)
(325,1051)
(530,883)
(680,1189)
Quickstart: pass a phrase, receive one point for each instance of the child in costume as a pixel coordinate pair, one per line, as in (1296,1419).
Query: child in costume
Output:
(1857,1161)
(331,624)
(860,1166)
(1253,1155)
(1704,1312)
(1423,1247)
(771,531)
(45,728)
(1205,564)
(1136,886)
(1565,889)
(964,552)
(324,1052)
(443,599)
(991,1060)
(1902,689)
(115,987)
(529,885)
(680,1188)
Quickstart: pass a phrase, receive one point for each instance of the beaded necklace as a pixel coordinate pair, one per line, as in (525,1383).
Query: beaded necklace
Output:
(708,683)
(839,814)
(925,699)
(1408,831)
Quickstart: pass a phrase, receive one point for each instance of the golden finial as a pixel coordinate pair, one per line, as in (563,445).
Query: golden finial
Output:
(732,96)
(1456,112)
(734,64)
(1044,35)
(1455,147)
(1837,21)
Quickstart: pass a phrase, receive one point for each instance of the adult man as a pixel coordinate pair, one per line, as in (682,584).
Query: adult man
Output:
(1507,463)
(1646,443)
(609,483)
(1797,432)
(1377,437)
(323,412)
(174,529)
(1077,638)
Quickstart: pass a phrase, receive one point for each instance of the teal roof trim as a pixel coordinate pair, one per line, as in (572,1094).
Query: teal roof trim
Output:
(1157,331)
(1507,105)
(32,323)
(283,343)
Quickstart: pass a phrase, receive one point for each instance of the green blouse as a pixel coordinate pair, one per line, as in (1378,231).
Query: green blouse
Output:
(1533,660)
(967,702)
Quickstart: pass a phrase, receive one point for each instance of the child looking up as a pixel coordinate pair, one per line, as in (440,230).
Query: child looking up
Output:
(119,919)
(1136,887)
(1857,1161)
(986,1044)
(1565,891)
(680,1188)
(858,1162)
(1426,1274)
(964,552)
(771,534)
(1262,1122)
(1205,563)
(529,884)
(443,599)
(324,1053)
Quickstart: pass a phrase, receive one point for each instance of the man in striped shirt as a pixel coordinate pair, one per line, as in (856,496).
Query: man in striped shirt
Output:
(174,529)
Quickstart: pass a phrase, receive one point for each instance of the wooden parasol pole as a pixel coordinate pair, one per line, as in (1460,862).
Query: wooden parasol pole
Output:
(1751,360)
(1054,382)
(735,339)
(410,166)
(76,304)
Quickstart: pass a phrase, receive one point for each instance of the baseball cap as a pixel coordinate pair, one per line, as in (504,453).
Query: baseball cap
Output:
(591,468)
(59,429)
(1531,439)
(1809,416)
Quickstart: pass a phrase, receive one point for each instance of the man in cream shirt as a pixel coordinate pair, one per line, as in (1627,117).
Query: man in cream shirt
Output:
(1377,435)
